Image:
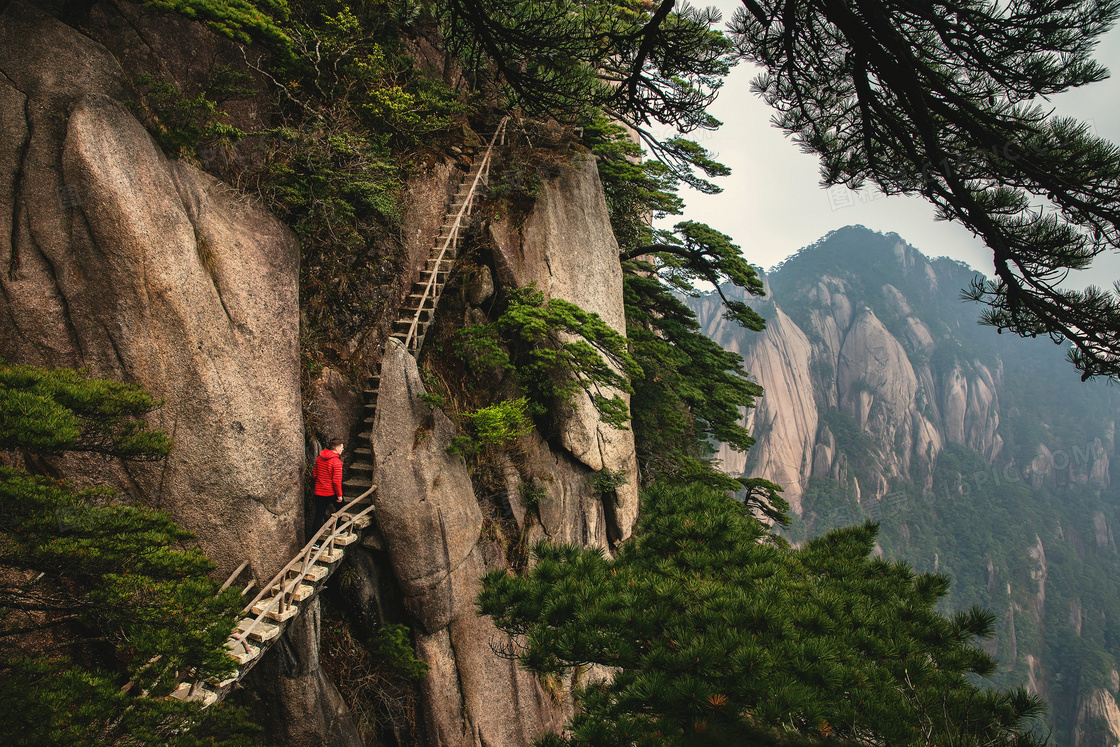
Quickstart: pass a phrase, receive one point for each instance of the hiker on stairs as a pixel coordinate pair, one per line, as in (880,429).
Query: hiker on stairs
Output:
(328,481)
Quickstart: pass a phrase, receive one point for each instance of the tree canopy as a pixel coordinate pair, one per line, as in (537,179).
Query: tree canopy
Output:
(944,100)
(99,601)
(712,626)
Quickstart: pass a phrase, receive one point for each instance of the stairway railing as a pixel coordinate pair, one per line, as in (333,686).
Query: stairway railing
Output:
(452,239)
(338,524)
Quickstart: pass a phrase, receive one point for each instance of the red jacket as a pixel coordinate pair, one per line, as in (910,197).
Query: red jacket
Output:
(328,473)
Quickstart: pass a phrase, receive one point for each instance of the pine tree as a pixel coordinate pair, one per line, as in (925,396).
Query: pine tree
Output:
(100,602)
(713,627)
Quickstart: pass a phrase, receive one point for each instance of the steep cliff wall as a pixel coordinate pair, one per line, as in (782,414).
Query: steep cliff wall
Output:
(837,342)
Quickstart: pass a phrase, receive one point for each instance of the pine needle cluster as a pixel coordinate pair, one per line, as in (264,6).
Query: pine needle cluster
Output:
(711,625)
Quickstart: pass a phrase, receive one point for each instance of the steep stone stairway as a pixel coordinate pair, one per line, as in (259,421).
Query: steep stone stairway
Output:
(296,585)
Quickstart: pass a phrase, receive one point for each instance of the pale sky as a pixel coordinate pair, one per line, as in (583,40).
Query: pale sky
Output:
(772,204)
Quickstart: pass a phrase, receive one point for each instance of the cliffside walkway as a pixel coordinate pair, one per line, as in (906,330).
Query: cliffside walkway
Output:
(296,585)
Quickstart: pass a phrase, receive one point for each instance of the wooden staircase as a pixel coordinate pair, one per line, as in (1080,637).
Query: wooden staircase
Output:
(280,600)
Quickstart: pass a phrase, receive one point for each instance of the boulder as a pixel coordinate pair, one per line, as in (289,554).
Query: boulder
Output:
(426,508)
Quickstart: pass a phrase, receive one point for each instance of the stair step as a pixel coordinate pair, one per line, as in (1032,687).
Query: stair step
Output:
(370,392)
(201,693)
(275,613)
(315,573)
(344,540)
(362,452)
(262,631)
(331,555)
(362,467)
(361,522)
(243,652)
(303,592)
(357,482)
(300,593)
(219,685)
(406,326)
(365,436)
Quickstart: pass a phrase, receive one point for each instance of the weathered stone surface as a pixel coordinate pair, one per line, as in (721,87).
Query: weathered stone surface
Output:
(432,524)
(335,406)
(426,508)
(786,417)
(1098,721)
(877,387)
(150,271)
(567,249)
(481,286)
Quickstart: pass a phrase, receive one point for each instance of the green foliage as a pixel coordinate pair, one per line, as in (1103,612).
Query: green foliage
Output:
(608,480)
(567,60)
(354,114)
(556,350)
(240,20)
(115,582)
(694,252)
(500,423)
(183,124)
(71,706)
(392,644)
(51,411)
(709,626)
(691,392)
(376,675)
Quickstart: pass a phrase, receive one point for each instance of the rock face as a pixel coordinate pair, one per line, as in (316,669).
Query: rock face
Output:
(150,271)
(1098,721)
(432,525)
(834,347)
(785,421)
(289,691)
(565,248)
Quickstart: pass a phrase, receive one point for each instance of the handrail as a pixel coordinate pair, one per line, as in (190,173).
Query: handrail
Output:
(453,234)
(308,558)
(325,536)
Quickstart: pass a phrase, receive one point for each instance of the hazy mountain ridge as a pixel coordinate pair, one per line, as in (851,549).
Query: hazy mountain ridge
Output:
(982,455)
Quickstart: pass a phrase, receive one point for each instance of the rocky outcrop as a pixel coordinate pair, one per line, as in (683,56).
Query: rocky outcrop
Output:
(148,270)
(432,526)
(785,421)
(566,249)
(865,353)
(1098,721)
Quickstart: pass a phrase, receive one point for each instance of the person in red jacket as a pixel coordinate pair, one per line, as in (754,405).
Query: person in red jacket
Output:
(328,481)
